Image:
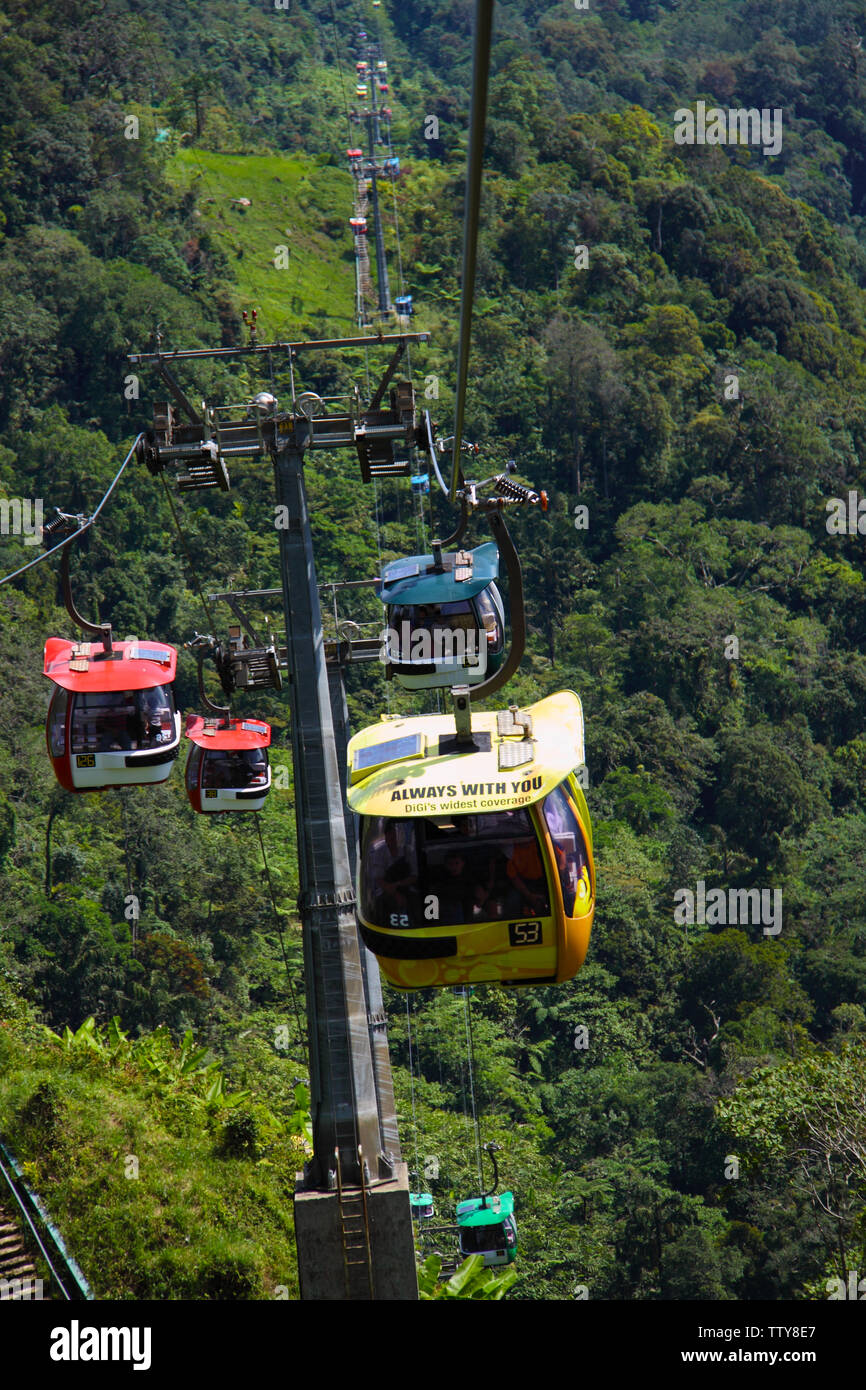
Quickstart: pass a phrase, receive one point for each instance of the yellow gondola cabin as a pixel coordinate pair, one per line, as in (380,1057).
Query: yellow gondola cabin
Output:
(475,858)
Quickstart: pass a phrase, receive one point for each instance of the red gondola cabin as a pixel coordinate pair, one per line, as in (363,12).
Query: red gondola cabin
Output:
(111,721)
(227,768)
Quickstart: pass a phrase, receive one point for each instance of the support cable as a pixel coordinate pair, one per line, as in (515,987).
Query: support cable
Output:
(123,811)
(412,1093)
(471,1055)
(464,1109)
(399,256)
(340,69)
(480,78)
(431,449)
(86,526)
(379,556)
(193,571)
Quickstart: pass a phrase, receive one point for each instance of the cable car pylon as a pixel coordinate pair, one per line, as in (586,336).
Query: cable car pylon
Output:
(372,82)
(351,1095)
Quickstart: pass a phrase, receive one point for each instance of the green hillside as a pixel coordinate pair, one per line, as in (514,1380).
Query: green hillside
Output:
(695,384)
(296,203)
(165,1184)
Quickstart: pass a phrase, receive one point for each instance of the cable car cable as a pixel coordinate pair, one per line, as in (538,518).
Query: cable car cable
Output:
(467,989)
(133,926)
(480,78)
(340,69)
(412,1092)
(464,1108)
(302,1038)
(88,523)
(431,448)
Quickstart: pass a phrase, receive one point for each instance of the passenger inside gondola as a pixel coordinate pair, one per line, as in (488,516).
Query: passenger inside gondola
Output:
(397,878)
(258,765)
(399,894)
(149,706)
(110,721)
(445,872)
(528,881)
(569,848)
(457,890)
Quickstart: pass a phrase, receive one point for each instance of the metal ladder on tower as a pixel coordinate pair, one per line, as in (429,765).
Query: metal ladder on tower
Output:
(367,290)
(355,1234)
(16,1264)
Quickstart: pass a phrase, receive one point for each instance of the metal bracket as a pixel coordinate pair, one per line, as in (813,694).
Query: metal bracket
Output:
(462,713)
(389,372)
(178,394)
(312,901)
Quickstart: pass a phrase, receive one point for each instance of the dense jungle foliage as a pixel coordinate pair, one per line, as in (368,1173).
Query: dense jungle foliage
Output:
(686,1119)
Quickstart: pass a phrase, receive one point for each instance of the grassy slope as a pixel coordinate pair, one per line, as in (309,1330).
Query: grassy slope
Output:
(194,1223)
(295,202)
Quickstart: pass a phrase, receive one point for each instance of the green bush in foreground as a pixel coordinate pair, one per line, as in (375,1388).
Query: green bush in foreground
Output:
(163,1185)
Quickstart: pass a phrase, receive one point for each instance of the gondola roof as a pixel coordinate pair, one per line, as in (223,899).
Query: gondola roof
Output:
(85,667)
(242,733)
(414,766)
(407,581)
(472,1213)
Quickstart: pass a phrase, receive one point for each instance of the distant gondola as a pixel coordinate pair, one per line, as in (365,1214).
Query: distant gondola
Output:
(446,624)
(422,1206)
(227,768)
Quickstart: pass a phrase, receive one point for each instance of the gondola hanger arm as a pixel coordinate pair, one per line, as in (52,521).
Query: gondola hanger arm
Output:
(68,528)
(203,646)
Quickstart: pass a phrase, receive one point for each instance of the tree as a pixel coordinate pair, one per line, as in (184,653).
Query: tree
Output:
(762,792)
(806,1122)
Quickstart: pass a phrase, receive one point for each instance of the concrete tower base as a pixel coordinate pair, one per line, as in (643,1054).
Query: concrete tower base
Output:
(319,1236)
